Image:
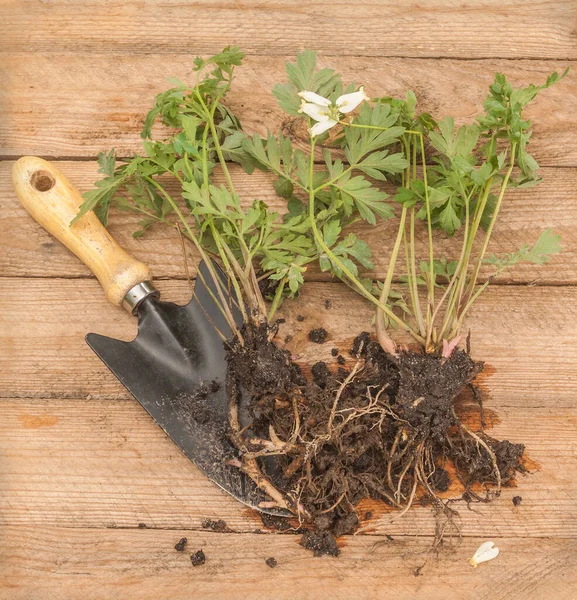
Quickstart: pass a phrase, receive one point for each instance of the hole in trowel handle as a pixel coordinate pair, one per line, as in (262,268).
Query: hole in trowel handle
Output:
(42,181)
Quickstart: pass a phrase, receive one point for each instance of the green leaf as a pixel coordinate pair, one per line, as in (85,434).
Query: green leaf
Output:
(448,219)
(367,199)
(378,163)
(234,149)
(107,162)
(100,198)
(546,246)
(283,187)
(331,232)
(303,75)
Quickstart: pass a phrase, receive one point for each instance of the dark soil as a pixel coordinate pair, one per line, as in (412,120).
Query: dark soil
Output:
(273,522)
(318,336)
(386,429)
(219,526)
(328,304)
(179,546)
(271,562)
(197,558)
(517,500)
(300,318)
(320,542)
(334,352)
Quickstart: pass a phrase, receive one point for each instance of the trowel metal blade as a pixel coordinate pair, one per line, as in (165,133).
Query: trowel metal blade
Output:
(176,368)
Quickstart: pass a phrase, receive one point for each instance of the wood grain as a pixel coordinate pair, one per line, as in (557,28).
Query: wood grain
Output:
(30,251)
(105,464)
(92,564)
(40,94)
(529,347)
(375,28)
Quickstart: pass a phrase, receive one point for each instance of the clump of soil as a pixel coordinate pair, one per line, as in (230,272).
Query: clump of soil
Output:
(318,336)
(385,429)
(219,526)
(274,522)
(197,558)
(517,500)
(179,546)
(271,562)
(320,542)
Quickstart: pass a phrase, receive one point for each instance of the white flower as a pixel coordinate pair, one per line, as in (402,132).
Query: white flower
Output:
(485,552)
(324,112)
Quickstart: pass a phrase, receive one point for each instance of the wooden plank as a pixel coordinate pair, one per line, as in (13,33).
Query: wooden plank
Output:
(27,250)
(41,94)
(93,564)
(526,335)
(378,28)
(105,464)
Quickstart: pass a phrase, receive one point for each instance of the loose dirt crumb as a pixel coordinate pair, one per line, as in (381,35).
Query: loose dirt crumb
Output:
(320,373)
(271,562)
(417,571)
(179,546)
(288,338)
(328,304)
(360,343)
(341,360)
(197,558)
(334,352)
(517,500)
(345,525)
(368,515)
(300,318)
(320,542)
(440,480)
(318,336)
(142,526)
(218,526)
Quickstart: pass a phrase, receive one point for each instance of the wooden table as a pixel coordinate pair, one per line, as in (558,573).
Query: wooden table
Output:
(93,496)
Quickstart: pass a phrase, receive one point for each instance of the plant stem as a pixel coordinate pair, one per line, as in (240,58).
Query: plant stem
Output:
(504,184)
(334,259)
(277,298)
(431,278)
(381,325)
(413,260)
(223,305)
(457,291)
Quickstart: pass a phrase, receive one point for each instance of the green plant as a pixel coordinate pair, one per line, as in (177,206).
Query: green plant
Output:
(473,166)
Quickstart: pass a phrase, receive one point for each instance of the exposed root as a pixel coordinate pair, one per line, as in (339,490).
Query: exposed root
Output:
(384,430)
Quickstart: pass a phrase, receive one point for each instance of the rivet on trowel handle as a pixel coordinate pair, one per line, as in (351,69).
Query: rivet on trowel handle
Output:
(137,294)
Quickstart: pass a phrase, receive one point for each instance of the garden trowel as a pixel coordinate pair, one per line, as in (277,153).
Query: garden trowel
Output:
(176,366)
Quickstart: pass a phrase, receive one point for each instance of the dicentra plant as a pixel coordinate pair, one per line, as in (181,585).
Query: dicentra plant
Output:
(461,187)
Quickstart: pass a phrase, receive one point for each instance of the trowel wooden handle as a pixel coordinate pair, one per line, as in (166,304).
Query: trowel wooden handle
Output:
(53,202)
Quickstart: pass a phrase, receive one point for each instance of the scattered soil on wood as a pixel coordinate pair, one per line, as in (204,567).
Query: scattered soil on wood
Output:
(197,558)
(180,545)
(318,336)
(386,429)
(517,500)
(219,526)
(271,562)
